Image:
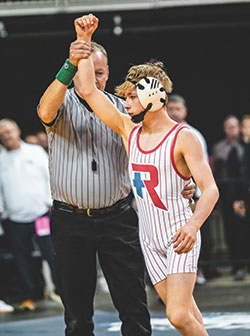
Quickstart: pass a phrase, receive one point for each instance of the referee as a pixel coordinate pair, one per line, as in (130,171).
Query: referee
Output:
(91,210)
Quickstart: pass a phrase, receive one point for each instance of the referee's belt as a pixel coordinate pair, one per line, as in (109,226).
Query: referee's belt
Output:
(114,209)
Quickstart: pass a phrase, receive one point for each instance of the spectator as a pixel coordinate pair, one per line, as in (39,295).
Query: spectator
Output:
(39,138)
(220,152)
(221,149)
(32,139)
(1,149)
(43,140)
(25,195)
(177,110)
(238,168)
(4,307)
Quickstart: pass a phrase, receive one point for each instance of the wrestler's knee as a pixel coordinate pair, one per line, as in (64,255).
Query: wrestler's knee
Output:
(178,317)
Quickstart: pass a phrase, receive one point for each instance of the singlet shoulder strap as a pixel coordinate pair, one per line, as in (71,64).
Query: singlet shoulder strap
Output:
(132,133)
(177,130)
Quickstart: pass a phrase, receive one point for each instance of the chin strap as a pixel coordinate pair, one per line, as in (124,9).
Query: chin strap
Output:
(140,117)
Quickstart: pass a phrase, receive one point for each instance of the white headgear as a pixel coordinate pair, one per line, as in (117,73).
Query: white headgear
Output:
(151,93)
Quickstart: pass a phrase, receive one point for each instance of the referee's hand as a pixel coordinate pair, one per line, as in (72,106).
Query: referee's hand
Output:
(78,50)
(188,191)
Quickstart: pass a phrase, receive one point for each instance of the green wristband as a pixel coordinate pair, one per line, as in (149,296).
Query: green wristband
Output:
(66,73)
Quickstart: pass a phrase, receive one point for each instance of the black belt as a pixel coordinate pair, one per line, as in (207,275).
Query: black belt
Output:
(116,208)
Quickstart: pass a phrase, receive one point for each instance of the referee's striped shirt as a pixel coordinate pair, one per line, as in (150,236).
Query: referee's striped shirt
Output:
(76,140)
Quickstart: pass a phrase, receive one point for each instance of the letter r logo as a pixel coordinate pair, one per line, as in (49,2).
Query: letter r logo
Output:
(150,184)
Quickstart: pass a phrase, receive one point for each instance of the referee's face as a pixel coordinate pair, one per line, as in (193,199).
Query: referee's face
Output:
(101,69)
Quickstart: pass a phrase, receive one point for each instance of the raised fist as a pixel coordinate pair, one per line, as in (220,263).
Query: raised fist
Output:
(85,26)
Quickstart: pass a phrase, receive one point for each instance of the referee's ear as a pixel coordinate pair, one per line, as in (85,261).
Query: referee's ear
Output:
(107,73)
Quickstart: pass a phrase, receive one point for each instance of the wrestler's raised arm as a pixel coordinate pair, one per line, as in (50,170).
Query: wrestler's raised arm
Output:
(97,100)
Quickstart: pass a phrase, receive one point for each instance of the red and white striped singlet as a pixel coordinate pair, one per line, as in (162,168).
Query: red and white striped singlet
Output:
(157,186)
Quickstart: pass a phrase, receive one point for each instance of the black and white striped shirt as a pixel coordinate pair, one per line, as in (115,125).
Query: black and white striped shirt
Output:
(77,138)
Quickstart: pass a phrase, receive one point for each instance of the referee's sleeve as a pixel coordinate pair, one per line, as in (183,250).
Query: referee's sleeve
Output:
(51,123)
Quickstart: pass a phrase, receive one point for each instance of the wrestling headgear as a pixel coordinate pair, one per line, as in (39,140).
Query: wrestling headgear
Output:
(151,94)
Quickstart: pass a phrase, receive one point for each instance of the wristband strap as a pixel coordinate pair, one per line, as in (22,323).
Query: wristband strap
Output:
(66,73)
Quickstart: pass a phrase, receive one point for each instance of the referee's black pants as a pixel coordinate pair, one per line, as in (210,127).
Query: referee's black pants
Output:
(77,239)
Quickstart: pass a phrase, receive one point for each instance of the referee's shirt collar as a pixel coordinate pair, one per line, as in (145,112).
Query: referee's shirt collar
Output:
(83,102)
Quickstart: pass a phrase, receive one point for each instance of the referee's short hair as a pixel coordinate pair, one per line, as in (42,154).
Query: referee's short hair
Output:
(98,47)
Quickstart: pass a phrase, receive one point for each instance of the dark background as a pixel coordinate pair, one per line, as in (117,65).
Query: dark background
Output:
(206,50)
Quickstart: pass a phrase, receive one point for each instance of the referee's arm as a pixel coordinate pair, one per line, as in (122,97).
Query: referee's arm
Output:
(51,101)
(53,97)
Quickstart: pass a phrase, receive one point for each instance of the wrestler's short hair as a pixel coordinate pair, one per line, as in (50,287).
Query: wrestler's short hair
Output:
(152,68)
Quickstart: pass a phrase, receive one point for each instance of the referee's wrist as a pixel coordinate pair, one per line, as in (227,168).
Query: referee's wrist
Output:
(66,73)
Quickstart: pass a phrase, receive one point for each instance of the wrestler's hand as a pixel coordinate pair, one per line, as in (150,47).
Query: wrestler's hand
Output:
(184,239)
(78,50)
(188,191)
(85,27)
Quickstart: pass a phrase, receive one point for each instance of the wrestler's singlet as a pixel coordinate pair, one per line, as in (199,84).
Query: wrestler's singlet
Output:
(157,186)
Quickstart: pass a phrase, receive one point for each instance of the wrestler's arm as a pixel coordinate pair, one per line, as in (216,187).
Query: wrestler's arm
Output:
(189,146)
(96,99)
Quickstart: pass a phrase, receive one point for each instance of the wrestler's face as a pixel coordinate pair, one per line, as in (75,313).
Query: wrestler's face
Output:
(101,69)
(10,135)
(132,104)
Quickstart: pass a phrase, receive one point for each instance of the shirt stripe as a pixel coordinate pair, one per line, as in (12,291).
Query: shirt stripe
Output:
(77,137)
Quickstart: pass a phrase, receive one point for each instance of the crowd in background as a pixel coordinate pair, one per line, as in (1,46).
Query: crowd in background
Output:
(231,166)
(229,159)
(25,202)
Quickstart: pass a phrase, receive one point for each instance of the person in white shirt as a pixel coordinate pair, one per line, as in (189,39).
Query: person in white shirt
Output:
(25,198)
